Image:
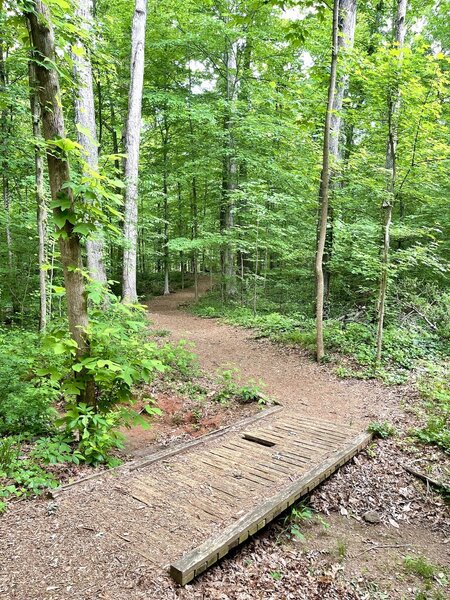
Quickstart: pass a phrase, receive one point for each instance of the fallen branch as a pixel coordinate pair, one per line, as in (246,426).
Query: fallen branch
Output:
(382,546)
(428,480)
(424,317)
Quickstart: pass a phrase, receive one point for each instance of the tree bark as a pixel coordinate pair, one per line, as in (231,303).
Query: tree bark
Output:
(41,29)
(5,129)
(41,206)
(87,132)
(346,33)
(132,147)
(230,171)
(166,212)
(394,102)
(325,185)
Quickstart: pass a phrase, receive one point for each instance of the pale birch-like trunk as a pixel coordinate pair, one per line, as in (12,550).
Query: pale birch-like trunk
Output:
(346,33)
(230,171)
(394,102)
(132,147)
(166,219)
(42,35)
(325,185)
(87,132)
(41,205)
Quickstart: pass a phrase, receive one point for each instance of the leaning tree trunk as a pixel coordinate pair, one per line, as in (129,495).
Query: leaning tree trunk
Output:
(132,146)
(41,30)
(41,206)
(391,170)
(325,186)
(346,33)
(87,132)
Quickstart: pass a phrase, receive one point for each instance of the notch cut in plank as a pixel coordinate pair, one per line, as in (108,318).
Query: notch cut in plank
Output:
(199,559)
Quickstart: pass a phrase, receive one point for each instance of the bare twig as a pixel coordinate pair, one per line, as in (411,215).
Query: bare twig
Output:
(428,480)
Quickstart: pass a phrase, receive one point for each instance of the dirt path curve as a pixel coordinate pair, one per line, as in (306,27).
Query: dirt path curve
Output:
(290,376)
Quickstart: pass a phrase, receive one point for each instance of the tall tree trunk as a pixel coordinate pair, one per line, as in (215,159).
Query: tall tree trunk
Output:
(41,29)
(86,131)
(166,216)
(230,172)
(346,36)
(5,128)
(324,185)
(194,234)
(41,206)
(132,147)
(394,101)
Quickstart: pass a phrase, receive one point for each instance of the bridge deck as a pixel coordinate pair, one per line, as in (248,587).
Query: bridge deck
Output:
(206,501)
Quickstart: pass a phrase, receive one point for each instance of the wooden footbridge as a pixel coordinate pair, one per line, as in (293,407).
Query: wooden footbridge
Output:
(185,509)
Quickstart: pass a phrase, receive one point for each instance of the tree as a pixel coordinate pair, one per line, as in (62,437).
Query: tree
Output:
(346,33)
(86,128)
(64,206)
(132,148)
(41,204)
(325,185)
(393,110)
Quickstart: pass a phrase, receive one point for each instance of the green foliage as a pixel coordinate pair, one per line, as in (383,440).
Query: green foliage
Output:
(231,390)
(298,516)
(20,475)
(120,355)
(55,450)
(382,430)
(26,404)
(420,566)
(435,387)
(404,348)
(95,433)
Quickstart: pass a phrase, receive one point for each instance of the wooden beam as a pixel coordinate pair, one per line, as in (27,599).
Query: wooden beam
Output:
(199,559)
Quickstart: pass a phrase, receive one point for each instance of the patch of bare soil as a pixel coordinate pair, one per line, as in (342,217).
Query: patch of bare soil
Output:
(189,409)
(288,375)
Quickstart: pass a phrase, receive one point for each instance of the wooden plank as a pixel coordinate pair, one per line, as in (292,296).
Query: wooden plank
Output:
(205,555)
(341,427)
(317,434)
(207,437)
(320,430)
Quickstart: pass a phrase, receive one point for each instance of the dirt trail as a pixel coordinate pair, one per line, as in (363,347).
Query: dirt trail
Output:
(290,376)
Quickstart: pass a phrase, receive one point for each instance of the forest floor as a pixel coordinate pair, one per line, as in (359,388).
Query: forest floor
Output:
(374,531)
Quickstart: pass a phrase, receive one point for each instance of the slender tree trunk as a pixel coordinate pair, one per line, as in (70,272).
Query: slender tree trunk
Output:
(41,205)
(132,148)
(87,132)
(230,172)
(394,101)
(324,187)
(180,231)
(346,36)
(41,29)
(195,234)
(5,128)
(166,219)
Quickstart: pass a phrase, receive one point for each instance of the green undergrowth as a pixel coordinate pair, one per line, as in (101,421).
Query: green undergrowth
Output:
(412,353)
(42,422)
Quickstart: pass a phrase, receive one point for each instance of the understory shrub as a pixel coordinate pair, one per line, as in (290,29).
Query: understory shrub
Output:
(435,388)
(26,400)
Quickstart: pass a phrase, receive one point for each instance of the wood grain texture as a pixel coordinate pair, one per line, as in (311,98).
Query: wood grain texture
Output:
(199,559)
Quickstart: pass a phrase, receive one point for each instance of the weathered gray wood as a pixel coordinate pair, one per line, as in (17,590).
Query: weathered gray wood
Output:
(199,559)
(171,451)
